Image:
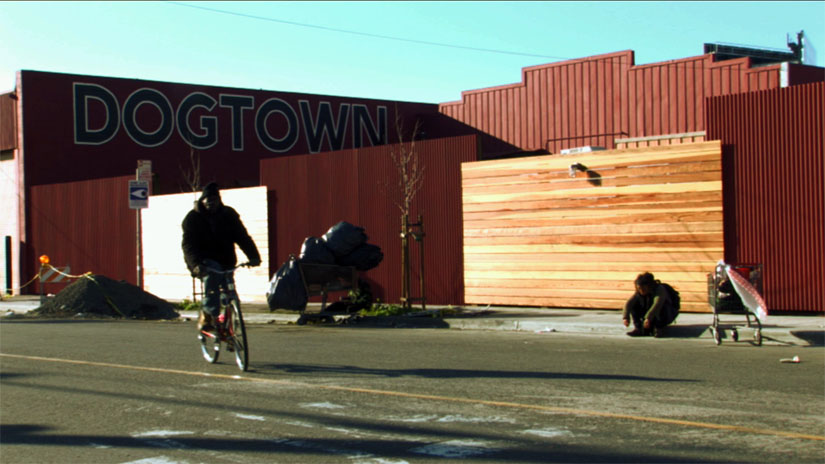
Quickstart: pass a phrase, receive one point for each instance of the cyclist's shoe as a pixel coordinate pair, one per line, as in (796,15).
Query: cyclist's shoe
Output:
(206,322)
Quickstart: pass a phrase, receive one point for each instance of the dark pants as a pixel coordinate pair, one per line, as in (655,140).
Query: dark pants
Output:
(211,289)
(638,305)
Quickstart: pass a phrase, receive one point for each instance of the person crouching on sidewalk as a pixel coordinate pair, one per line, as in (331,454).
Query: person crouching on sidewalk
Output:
(650,308)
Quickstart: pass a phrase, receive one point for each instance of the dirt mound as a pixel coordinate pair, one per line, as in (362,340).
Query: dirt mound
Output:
(98,295)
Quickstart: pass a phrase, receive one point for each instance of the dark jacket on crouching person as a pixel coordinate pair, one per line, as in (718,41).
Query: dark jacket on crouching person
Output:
(210,232)
(650,309)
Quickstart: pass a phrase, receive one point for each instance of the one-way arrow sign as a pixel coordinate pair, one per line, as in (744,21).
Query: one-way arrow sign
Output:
(138,194)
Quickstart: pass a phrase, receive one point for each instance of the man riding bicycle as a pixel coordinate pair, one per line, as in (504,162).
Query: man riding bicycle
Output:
(210,232)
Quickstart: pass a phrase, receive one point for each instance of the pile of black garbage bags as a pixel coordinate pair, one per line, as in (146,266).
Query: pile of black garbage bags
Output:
(343,244)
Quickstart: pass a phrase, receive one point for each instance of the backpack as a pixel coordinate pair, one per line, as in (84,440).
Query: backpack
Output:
(673,294)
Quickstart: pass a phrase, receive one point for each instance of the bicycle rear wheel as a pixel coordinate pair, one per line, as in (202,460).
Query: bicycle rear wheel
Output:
(239,337)
(210,346)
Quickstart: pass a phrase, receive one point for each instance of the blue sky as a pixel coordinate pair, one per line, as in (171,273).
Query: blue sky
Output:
(412,51)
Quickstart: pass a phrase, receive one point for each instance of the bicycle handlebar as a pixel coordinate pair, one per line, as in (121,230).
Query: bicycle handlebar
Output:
(228,271)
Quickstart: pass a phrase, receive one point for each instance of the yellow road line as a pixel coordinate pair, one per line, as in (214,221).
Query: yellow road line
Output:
(421,396)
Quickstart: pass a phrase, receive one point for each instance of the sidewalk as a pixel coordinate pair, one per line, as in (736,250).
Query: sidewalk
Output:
(778,329)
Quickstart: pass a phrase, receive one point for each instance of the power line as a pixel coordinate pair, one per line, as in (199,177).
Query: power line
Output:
(364,34)
(687,66)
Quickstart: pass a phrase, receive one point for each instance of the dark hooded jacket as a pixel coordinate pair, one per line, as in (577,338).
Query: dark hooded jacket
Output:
(214,235)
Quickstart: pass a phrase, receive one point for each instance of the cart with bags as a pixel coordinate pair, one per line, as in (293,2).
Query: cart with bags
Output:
(724,288)
(320,280)
(327,264)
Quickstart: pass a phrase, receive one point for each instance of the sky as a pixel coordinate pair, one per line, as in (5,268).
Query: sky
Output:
(408,51)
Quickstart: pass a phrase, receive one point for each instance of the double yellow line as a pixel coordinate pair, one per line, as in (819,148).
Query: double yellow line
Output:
(420,396)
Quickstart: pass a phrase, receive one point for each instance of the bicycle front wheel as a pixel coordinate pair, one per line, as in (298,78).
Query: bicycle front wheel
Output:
(210,346)
(239,337)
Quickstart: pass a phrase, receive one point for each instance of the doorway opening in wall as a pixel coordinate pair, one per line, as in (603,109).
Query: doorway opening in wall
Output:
(7,254)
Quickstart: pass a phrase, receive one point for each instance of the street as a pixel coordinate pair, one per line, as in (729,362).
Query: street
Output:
(140,392)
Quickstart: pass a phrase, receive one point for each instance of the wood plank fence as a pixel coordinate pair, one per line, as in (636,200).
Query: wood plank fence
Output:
(575,231)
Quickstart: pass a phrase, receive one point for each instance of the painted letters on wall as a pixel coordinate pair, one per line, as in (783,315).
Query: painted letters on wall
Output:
(322,129)
(82,127)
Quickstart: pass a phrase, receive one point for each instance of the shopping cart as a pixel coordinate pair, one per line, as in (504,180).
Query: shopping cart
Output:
(723,299)
(320,280)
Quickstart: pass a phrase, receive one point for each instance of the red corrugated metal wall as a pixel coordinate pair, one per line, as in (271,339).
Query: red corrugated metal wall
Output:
(56,151)
(775,189)
(310,193)
(87,225)
(592,101)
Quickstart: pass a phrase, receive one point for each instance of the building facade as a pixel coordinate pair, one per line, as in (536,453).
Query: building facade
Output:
(69,143)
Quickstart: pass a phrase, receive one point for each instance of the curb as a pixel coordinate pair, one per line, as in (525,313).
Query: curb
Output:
(694,326)
(780,330)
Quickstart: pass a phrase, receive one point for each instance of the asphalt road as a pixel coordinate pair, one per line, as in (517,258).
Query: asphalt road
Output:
(140,392)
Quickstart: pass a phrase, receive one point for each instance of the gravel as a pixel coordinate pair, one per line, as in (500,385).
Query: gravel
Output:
(99,296)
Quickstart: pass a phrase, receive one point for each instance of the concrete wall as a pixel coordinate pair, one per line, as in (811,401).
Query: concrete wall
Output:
(165,274)
(8,222)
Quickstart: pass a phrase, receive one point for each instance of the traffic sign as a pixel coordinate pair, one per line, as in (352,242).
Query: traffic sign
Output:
(138,194)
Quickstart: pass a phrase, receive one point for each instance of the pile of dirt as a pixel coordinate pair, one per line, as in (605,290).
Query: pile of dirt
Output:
(100,296)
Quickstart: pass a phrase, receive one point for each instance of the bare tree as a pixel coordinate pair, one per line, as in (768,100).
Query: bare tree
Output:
(192,175)
(410,179)
(409,168)
(192,179)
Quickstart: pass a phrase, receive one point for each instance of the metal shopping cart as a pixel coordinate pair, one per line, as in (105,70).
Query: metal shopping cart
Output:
(723,299)
(321,279)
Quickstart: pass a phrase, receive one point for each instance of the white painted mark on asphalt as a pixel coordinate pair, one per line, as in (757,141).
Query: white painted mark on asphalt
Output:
(475,420)
(381,461)
(160,434)
(344,431)
(250,417)
(300,424)
(417,418)
(455,449)
(322,406)
(548,433)
(156,460)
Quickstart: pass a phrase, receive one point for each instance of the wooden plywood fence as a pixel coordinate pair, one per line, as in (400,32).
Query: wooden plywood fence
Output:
(535,236)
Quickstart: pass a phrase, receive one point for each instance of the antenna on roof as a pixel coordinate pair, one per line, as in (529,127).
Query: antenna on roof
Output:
(798,47)
(760,56)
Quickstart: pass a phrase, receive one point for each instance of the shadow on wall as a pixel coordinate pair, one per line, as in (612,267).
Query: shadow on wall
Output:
(435,126)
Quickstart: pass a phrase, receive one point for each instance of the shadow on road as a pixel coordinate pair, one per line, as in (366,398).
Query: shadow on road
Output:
(453,373)
(397,448)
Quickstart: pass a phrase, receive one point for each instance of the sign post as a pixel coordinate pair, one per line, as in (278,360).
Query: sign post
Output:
(139,191)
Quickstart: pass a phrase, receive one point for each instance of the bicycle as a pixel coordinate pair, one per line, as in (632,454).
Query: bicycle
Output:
(229,326)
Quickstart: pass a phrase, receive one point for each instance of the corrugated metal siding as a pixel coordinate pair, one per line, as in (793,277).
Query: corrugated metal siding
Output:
(594,100)
(87,225)
(775,189)
(8,121)
(310,193)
